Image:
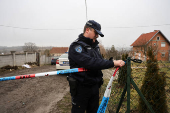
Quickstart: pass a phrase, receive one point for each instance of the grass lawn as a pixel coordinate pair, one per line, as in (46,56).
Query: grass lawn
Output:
(137,74)
(64,105)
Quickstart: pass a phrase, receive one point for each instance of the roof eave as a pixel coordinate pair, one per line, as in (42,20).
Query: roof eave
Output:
(152,37)
(156,34)
(165,37)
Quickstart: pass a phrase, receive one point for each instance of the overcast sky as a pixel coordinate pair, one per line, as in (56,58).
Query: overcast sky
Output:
(59,22)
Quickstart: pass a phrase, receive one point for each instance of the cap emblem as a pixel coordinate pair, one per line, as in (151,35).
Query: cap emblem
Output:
(89,23)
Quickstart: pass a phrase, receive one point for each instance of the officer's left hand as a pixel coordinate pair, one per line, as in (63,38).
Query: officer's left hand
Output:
(119,63)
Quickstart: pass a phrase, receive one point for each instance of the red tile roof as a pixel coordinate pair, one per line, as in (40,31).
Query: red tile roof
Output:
(144,38)
(59,50)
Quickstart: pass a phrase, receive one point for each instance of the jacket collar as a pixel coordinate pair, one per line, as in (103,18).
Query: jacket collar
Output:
(88,40)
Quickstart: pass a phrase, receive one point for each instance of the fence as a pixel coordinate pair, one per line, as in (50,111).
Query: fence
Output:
(145,90)
(45,60)
(14,59)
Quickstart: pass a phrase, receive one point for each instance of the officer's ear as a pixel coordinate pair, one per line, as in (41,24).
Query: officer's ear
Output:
(87,30)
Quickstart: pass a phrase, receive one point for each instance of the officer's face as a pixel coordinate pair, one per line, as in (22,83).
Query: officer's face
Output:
(93,34)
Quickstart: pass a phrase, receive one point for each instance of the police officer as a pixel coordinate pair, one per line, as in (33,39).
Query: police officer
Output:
(84,52)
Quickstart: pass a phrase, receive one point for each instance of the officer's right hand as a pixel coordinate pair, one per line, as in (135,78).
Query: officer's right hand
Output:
(119,63)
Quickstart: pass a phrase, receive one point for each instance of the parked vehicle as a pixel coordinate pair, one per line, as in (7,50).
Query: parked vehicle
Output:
(62,62)
(53,60)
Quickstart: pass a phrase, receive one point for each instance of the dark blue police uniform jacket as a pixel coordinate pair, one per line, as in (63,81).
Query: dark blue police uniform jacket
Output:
(85,53)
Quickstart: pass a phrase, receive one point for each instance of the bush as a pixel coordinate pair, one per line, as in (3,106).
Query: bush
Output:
(122,78)
(153,87)
(8,67)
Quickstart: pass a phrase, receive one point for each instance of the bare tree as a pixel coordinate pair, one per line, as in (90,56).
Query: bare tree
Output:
(30,47)
(112,52)
(102,49)
(125,50)
(47,52)
(142,47)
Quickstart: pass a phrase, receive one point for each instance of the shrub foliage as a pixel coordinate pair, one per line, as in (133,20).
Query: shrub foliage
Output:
(122,78)
(153,87)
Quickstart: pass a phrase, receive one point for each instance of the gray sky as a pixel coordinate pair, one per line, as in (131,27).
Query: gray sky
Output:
(59,22)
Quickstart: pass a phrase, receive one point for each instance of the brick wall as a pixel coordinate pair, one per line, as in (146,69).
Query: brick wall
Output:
(156,44)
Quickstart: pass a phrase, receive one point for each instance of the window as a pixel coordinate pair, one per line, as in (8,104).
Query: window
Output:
(163,54)
(134,55)
(162,44)
(154,53)
(154,44)
(139,55)
(158,38)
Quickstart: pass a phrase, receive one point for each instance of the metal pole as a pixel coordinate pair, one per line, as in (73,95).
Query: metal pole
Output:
(141,95)
(122,98)
(128,83)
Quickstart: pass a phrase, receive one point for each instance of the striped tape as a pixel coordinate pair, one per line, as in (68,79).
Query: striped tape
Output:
(105,100)
(44,74)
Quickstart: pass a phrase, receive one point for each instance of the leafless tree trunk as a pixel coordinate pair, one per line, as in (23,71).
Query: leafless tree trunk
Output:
(30,47)
(142,47)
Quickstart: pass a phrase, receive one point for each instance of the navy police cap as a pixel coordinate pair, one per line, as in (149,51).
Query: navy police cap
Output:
(96,26)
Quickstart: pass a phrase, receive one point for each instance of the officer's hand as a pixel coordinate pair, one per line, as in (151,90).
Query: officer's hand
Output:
(119,63)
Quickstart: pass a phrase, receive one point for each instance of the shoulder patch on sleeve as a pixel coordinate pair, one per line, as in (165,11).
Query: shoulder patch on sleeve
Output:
(78,49)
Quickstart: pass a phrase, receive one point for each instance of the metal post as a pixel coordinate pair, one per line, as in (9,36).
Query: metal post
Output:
(128,83)
(141,95)
(122,98)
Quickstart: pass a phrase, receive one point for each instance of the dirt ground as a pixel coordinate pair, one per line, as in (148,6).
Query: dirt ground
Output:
(34,95)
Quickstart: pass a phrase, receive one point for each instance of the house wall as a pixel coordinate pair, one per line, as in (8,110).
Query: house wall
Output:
(156,44)
(56,54)
(138,53)
(161,49)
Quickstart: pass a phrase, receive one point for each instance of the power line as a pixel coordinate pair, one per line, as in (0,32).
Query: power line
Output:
(35,28)
(76,28)
(140,26)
